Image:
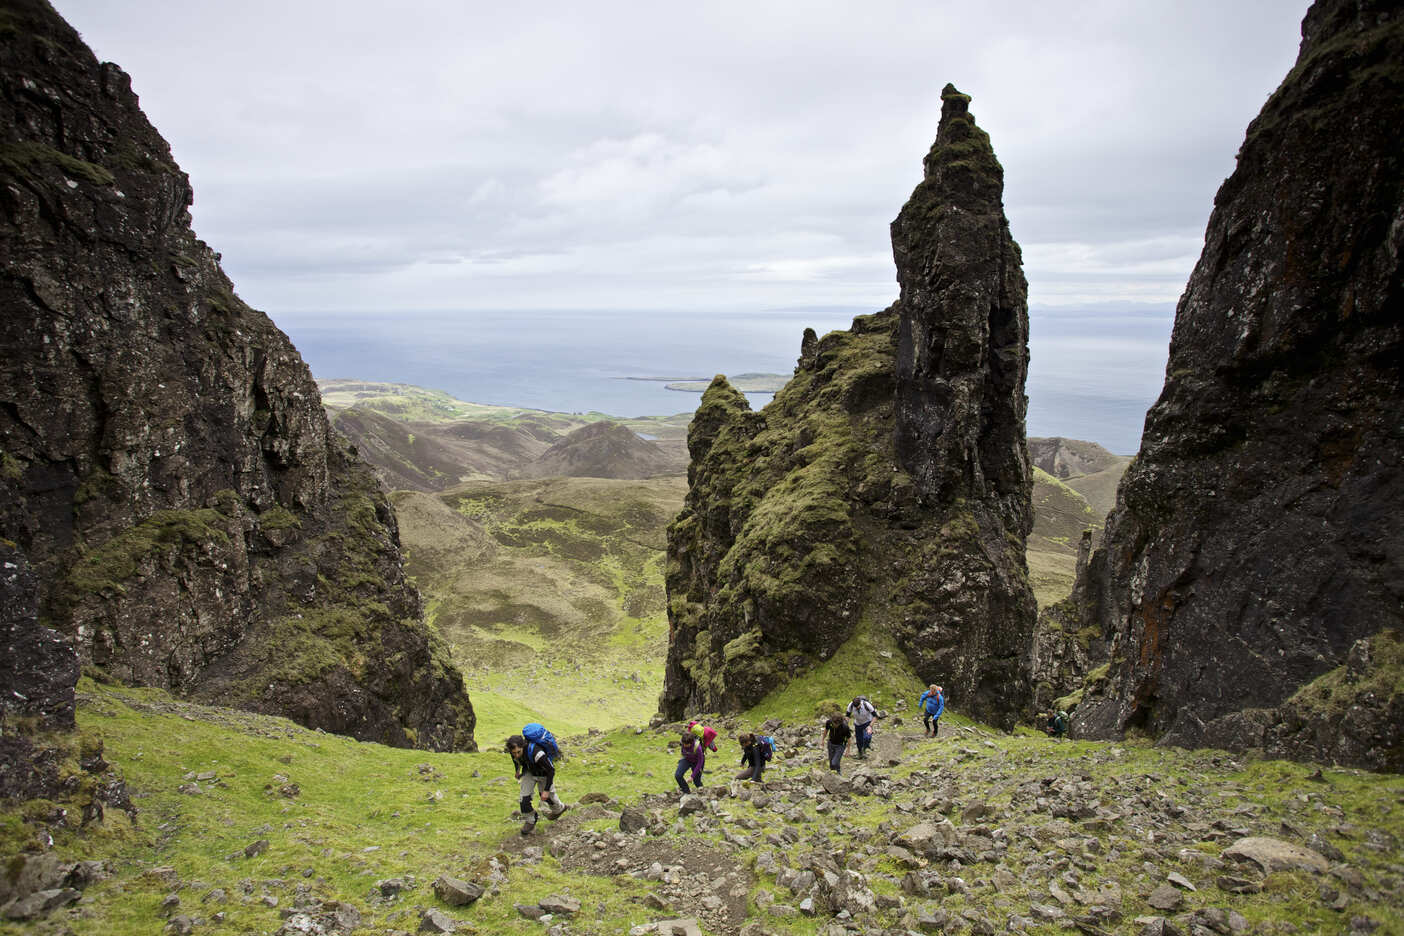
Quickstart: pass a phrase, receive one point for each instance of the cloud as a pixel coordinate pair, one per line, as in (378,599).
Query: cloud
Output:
(436,155)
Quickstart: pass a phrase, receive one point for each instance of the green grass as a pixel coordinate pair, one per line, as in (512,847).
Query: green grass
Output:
(867,664)
(362,813)
(549,594)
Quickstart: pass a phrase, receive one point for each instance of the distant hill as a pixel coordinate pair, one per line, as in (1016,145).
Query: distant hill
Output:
(1086,467)
(426,440)
(429,457)
(605,450)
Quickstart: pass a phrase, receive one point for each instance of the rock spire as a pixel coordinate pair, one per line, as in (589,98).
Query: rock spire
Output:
(882,499)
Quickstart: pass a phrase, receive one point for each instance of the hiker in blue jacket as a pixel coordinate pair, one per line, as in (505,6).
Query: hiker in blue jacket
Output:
(932,703)
(534,769)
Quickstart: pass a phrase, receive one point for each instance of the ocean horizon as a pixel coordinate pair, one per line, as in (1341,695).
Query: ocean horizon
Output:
(1093,371)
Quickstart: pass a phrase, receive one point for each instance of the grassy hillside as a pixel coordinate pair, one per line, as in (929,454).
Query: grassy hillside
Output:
(549,593)
(1060,516)
(250,824)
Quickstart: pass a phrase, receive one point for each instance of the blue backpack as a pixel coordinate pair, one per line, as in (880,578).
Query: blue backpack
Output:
(767,747)
(536,734)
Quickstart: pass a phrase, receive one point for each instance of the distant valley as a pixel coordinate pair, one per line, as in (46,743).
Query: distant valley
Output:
(537,537)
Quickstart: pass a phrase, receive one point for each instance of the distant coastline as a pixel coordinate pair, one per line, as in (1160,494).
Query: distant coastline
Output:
(746,383)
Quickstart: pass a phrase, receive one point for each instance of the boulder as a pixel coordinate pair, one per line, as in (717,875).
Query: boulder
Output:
(1270,854)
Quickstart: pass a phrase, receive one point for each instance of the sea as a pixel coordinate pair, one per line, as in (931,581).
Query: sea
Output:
(1093,371)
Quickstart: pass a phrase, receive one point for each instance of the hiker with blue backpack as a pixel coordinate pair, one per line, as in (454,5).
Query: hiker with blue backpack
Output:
(756,750)
(932,703)
(533,753)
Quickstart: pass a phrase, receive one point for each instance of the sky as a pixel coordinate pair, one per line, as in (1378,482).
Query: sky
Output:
(372,158)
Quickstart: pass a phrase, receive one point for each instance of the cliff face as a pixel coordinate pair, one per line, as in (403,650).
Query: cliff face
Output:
(1256,539)
(885,487)
(167,468)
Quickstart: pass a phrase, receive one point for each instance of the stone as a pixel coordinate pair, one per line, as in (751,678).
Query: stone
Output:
(456,893)
(557,905)
(254,849)
(1270,854)
(1166,897)
(633,819)
(40,903)
(436,921)
(1180,881)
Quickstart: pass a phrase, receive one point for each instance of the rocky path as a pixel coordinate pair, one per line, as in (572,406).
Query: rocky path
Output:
(954,835)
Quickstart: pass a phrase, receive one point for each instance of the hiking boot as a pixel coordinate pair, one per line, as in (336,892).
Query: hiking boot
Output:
(557,813)
(529,823)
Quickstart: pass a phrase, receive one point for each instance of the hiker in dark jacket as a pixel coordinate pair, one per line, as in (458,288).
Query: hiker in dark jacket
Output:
(534,769)
(694,758)
(836,736)
(752,757)
(932,703)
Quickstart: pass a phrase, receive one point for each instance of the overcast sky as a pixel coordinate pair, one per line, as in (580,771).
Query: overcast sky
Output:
(415,155)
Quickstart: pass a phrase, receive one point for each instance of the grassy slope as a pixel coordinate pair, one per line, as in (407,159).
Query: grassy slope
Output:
(1060,516)
(550,594)
(362,813)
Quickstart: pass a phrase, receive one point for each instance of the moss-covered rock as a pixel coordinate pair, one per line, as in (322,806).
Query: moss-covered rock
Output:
(863,492)
(169,472)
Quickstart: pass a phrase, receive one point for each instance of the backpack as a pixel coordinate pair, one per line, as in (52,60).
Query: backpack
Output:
(536,734)
(1060,722)
(767,747)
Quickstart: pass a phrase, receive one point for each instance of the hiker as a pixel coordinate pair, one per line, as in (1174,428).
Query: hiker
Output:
(534,769)
(694,758)
(753,756)
(862,713)
(836,735)
(932,704)
(1057,725)
(708,736)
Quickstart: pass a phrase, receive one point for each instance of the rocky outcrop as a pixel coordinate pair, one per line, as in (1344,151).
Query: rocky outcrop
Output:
(166,467)
(1256,538)
(38,668)
(886,488)
(602,450)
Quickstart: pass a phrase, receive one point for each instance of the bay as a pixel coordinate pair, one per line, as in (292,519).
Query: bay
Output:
(1093,372)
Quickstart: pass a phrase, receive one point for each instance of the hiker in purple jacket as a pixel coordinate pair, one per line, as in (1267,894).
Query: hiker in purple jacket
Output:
(694,758)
